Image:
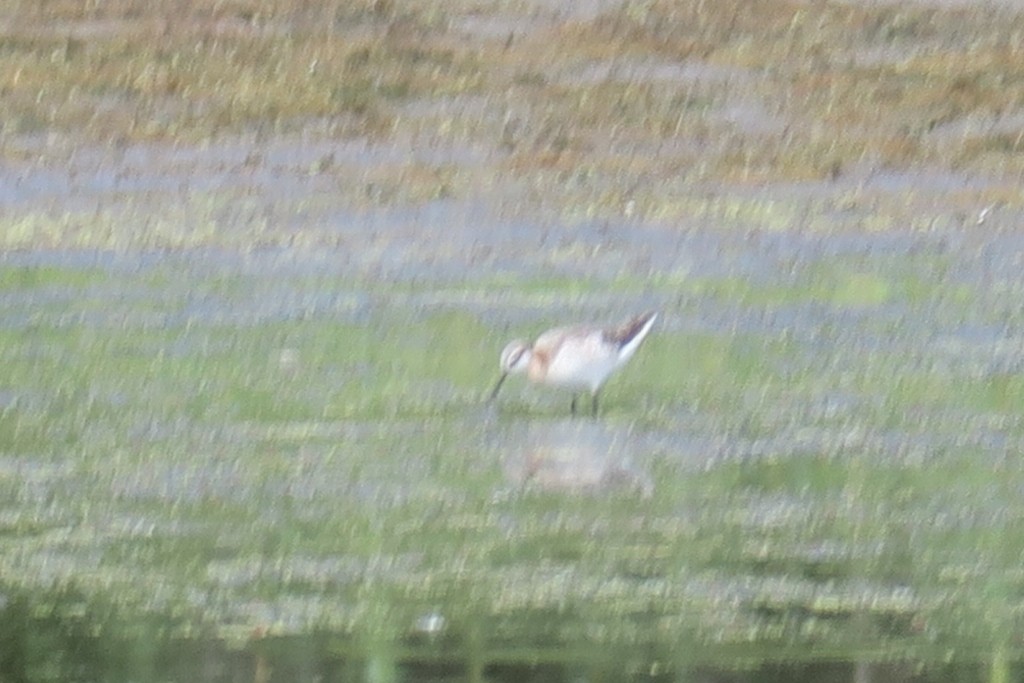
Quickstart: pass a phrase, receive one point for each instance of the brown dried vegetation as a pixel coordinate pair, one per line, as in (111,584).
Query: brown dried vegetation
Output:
(722,90)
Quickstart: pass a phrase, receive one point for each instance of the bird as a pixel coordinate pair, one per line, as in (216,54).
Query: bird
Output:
(580,358)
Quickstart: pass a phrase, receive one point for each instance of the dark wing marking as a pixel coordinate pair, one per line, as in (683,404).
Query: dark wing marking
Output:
(621,336)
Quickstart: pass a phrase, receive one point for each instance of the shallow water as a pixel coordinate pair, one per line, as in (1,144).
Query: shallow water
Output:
(244,354)
(283,460)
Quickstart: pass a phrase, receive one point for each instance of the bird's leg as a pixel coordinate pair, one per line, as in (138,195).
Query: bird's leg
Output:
(593,404)
(572,406)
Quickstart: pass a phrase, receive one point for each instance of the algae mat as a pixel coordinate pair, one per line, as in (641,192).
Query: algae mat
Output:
(803,464)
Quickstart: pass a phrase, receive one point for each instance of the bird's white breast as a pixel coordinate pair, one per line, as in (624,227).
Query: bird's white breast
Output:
(582,362)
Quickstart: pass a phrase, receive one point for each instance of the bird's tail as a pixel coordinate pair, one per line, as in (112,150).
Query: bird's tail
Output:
(630,335)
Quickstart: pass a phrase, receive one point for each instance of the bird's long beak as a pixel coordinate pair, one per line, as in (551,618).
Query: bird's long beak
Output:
(494,392)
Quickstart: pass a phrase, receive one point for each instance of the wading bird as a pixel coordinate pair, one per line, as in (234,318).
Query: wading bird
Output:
(578,358)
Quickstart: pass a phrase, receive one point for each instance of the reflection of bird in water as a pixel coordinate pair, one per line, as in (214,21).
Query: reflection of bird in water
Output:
(579,358)
(573,457)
